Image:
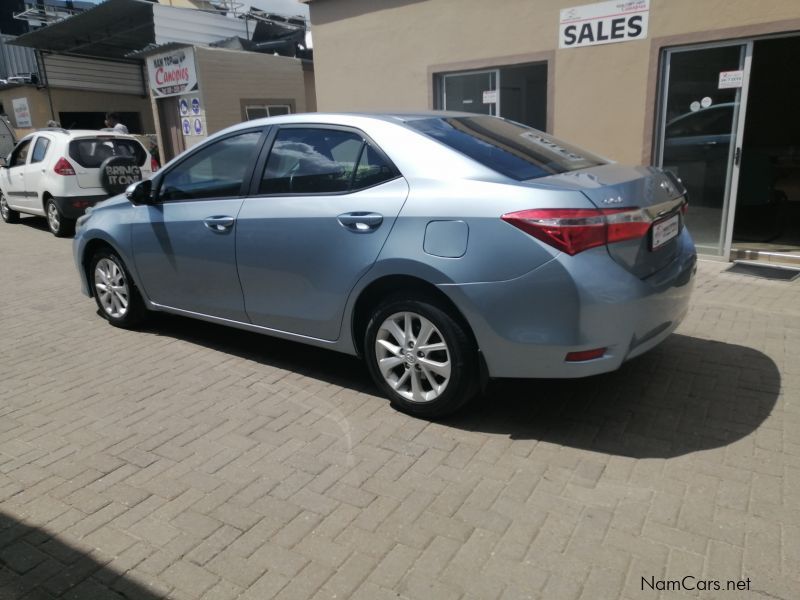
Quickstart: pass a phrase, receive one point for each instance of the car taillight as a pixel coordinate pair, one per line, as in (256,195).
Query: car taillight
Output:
(63,167)
(153,165)
(573,230)
(684,208)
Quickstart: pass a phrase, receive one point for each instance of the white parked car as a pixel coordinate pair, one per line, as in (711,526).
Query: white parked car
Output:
(58,174)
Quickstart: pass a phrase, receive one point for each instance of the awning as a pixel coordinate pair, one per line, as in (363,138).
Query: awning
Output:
(110,30)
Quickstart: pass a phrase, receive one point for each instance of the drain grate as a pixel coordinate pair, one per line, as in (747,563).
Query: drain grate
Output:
(765,271)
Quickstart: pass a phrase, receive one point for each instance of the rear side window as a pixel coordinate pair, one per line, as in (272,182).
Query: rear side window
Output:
(40,150)
(322,161)
(91,152)
(511,149)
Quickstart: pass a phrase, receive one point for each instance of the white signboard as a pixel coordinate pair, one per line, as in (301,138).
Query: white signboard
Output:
(603,23)
(172,73)
(730,79)
(490,97)
(22,113)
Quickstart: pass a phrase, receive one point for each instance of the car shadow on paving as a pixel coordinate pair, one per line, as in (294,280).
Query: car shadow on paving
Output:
(39,223)
(35,565)
(688,394)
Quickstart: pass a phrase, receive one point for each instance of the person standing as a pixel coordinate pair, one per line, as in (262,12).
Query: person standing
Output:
(113,123)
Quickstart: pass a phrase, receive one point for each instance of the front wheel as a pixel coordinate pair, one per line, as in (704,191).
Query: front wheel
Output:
(114,291)
(420,357)
(9,214)
(59,225)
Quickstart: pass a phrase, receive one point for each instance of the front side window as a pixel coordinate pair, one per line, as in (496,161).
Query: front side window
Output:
(40,149)
(20,154)
(514,150)
(311,161)
(216,171)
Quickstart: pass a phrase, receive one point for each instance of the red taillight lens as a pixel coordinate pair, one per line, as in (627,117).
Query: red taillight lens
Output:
(153,165)
(585,355)
(573,230)
(63,167)
(684,208)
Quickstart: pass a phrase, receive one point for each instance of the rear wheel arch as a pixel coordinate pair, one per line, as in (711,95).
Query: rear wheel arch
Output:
(394,285)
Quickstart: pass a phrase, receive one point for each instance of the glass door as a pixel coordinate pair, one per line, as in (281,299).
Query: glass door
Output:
(475,92)
(700,131)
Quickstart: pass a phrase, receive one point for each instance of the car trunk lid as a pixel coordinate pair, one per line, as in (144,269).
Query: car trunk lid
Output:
(89,153)
(622,191)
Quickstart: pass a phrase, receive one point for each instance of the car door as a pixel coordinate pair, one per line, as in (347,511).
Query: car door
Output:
(35,173)
(323,208)
(14,176)
(184,242)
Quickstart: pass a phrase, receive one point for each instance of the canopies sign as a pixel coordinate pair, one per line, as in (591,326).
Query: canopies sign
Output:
(172,73)
(603,23)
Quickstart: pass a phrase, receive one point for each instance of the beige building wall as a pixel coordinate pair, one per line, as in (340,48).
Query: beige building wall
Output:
(227,78)
(381,56)
(70,101)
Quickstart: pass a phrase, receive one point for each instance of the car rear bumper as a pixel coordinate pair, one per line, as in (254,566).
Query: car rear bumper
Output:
(526,326)
(73,207)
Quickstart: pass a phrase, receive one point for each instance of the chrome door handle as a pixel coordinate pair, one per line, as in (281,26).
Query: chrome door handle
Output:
(219,224)
(360,222)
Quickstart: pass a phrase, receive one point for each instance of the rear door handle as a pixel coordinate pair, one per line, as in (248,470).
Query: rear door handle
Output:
(219,224)
(360,222)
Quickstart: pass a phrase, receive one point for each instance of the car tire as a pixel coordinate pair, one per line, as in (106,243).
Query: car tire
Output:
(59,225)
(9,214)
(428,378)
(114,291)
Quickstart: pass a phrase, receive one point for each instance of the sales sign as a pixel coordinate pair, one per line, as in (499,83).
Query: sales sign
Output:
(603,23)
(172,73)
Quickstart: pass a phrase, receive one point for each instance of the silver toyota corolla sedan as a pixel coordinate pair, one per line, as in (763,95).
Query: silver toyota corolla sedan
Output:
(444,248)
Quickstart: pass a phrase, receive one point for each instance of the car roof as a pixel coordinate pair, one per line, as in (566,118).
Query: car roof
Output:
(353,119)
(82,133)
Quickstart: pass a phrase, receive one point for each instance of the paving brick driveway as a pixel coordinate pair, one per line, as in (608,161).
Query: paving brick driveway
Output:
(191,461)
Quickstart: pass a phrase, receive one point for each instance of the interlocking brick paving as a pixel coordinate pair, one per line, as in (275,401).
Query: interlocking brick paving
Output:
(187,460)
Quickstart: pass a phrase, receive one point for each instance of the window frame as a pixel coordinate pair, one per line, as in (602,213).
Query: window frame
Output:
(246,185)
(266,151)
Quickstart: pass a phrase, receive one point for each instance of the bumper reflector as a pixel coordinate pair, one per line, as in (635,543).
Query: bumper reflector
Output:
(585,355)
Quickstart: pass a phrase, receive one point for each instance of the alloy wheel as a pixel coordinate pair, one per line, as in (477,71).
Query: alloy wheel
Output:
(413,357)
(4,210)
(53,218)
(111,288)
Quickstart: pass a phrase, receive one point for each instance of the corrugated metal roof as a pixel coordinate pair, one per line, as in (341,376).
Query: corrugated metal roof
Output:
(15,60)
(111,30)
(118,28)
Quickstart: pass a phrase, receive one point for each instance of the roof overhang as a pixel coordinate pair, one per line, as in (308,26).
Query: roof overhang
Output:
(112,29)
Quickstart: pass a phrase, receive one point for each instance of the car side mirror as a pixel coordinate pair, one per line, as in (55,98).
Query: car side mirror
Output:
(3,162)
(140,192)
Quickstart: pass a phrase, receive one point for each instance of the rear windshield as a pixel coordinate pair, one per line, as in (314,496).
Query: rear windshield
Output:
(511,149)
(91,152)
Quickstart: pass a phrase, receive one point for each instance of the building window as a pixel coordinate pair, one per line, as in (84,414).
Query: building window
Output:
(259,111)
(517,92)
